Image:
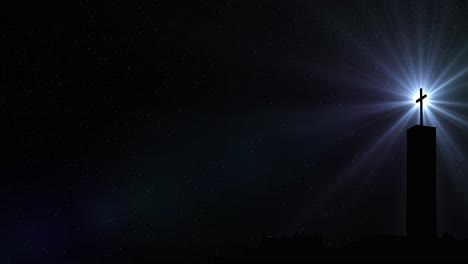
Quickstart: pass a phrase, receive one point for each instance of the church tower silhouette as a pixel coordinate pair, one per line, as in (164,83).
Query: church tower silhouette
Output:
(421,181)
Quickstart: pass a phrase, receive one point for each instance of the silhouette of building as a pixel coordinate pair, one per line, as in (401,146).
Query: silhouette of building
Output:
(421,183)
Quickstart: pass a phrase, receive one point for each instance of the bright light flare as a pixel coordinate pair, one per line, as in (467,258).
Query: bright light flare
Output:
(406,58)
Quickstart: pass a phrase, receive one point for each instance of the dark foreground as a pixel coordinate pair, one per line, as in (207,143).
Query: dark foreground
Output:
(295,249)
(300,249)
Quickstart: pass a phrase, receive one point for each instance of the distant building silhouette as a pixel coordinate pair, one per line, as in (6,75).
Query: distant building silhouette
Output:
(421,183)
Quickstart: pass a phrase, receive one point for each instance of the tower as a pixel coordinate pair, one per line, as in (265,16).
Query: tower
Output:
(421,183)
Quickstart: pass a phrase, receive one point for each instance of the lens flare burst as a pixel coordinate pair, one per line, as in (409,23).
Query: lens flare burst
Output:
(412,48)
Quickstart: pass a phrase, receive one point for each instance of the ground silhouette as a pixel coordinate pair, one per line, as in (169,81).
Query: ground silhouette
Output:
(383,248)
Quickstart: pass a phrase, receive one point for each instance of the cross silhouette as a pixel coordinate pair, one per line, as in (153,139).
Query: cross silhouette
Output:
(420,101)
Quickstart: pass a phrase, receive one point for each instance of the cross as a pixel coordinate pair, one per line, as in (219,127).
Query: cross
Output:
(421,97)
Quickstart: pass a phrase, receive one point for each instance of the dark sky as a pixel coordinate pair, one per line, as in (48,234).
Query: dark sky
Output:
(207,123)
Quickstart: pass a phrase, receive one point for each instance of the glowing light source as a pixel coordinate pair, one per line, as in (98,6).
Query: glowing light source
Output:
(408,57)
(427,100)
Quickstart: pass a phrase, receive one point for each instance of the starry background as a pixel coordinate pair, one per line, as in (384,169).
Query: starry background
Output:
(136,124)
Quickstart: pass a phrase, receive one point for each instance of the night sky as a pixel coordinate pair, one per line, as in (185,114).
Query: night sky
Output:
(134,124)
